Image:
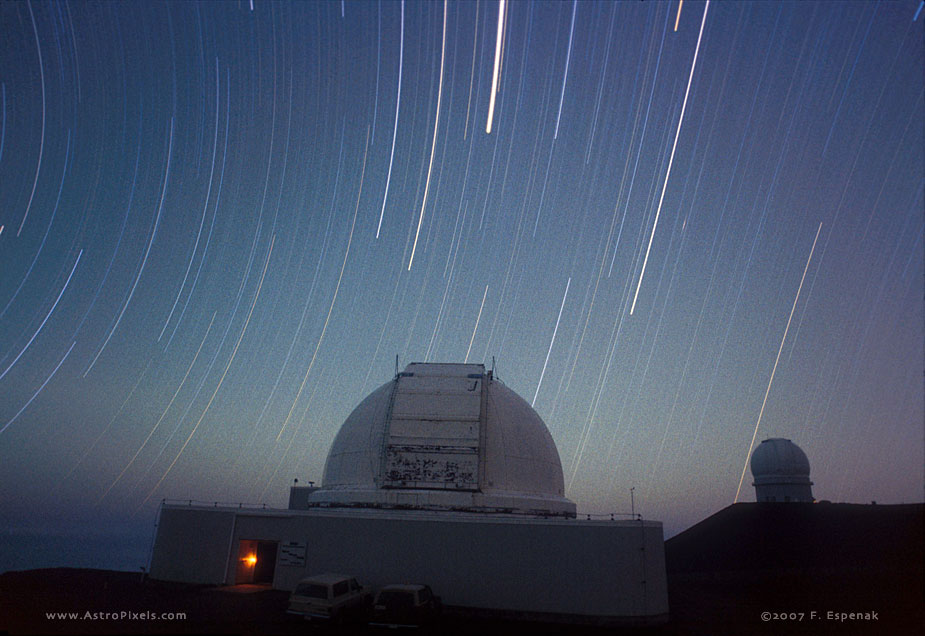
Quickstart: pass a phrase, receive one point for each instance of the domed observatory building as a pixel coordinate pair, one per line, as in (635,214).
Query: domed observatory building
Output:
(445,437)
(781,472)
(442,476)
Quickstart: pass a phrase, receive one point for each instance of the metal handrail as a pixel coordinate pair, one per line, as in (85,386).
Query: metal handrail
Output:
(214,504)
(589,516)
(611,516)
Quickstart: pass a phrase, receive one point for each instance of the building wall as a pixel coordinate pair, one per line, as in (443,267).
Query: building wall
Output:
(595,569)
(299,497)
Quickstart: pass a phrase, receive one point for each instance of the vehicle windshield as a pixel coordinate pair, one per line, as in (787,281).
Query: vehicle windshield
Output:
(312,590)
(396,599)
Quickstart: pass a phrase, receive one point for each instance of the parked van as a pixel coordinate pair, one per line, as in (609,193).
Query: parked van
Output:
(329,597)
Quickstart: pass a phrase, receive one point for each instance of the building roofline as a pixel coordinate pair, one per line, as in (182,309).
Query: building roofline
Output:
(405,515)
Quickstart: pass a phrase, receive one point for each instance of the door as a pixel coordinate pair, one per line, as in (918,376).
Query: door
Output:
(266,562)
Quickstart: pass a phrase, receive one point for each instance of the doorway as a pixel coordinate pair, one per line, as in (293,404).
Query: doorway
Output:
(256,562)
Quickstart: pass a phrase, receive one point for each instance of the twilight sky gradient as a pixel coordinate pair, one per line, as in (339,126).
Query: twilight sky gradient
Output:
(221,223)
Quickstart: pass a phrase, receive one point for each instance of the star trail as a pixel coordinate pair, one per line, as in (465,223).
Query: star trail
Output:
(221,222)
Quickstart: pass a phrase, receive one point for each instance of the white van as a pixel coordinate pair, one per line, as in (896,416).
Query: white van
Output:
(329,596)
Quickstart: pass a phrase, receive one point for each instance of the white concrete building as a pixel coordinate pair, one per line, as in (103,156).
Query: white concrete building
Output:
(781,472)
(441,476)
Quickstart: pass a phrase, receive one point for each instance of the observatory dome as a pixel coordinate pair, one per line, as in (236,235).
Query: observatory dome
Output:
(445,437)
(781,471)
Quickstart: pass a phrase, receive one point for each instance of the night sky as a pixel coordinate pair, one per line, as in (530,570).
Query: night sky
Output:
(688,228)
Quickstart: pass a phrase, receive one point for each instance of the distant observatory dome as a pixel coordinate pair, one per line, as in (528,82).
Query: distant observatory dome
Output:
(445,437)
(781,472)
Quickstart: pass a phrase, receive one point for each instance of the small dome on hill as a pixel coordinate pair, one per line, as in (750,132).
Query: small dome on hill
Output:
(777,457)
(781,471)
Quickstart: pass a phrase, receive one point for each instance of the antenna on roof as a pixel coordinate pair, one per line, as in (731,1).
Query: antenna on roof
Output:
(396,364)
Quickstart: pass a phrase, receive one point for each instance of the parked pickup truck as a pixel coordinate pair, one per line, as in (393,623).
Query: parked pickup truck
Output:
(329,597)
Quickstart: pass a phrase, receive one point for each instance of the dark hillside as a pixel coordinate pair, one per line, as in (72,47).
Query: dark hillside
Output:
(810,562)
(785,536)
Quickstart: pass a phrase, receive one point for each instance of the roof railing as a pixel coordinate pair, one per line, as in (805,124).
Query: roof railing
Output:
(611,516)
(214,504)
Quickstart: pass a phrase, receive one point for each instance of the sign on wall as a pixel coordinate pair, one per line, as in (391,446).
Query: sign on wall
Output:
(292,553)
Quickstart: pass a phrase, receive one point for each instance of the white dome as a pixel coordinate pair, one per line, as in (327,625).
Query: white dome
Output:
(447,437)
(779,460)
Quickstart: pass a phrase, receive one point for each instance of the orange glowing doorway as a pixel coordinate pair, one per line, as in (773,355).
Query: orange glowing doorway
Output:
(256,562)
